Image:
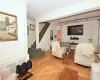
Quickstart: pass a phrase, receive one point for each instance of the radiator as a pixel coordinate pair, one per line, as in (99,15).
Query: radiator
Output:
(13,64)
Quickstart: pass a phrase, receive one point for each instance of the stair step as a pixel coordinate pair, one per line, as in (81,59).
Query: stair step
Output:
(33,46)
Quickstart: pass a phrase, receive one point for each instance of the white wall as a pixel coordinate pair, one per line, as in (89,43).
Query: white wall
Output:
(41,25)
(32,35)
(45,42)
(95,34)
(13,50)
(90,31)
(87,32)
(80,7)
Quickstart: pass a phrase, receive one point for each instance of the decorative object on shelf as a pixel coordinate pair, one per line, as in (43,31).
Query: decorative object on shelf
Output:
(8,27)
(73,43)
(90,40)
(32,27)
(27,30)
(74,38)
(59,27)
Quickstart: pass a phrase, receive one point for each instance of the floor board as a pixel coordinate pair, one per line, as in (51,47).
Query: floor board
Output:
(49,67)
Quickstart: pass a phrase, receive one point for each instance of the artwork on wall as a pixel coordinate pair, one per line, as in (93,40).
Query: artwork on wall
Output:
(8,27)
(27,30)
(51,34)
(32,27)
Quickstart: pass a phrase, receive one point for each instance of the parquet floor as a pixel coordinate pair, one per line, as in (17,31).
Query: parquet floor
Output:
(49,67)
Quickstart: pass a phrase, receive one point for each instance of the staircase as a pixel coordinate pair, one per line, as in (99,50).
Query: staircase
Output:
(44,29)
(32,46)
(32,51)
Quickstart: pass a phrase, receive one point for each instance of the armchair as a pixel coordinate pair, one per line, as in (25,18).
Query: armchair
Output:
(35,53)
(84,54)
(6,74)
(57,50)
(95,68)
(95,71)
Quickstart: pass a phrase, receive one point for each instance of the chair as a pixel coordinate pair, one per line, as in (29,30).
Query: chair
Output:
(84,54)
(35,53)
(6,74)
(95,69)
(57,50)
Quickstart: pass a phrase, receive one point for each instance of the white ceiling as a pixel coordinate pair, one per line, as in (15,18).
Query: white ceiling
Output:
(37,8)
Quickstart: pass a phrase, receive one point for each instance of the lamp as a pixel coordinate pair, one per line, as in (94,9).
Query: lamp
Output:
(87,21)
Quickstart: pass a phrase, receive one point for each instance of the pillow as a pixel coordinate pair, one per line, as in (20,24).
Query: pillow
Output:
(0,78)
(5,72)
(11,77)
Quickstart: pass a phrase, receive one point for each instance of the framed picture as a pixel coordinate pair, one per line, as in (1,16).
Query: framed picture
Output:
(8,27)
(32,27)
(51,34)
(27,30)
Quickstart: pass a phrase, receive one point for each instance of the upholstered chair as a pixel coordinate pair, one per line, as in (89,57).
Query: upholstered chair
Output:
(84,54)
(95,68)
(6,74)
(57,50)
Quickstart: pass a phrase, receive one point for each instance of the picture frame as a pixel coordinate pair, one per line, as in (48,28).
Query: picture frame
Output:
(27,30)
(32,27)
(8,27)
(51,34)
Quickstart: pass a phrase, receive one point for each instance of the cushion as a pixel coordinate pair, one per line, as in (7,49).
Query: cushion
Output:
(5,72)
(11,77)
(0,77)
(96,76)
(96,67)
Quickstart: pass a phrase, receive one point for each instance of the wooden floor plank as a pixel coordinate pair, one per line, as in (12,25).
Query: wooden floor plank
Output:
(49,67)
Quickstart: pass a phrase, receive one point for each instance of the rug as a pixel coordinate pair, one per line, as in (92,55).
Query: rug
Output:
(68,74)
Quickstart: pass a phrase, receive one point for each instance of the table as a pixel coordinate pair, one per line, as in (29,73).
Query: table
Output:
(70,45)
(65,58)
(67,53)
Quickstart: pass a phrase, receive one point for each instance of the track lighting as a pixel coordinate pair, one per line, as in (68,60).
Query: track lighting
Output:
(75,20)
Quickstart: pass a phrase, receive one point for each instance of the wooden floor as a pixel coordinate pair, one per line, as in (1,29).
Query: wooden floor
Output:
(49,67)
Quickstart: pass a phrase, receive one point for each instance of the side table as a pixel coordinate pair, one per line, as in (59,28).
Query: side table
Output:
(65,58)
